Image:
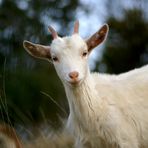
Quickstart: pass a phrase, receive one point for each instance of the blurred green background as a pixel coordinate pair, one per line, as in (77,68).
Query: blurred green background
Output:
(28,86)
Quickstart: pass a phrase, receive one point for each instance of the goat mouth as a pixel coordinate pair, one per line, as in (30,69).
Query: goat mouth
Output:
(74,82)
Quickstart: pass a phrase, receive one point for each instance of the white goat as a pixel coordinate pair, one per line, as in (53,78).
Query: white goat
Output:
(106,111)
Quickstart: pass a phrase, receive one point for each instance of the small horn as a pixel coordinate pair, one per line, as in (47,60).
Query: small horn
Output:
(76,27)
(53,32)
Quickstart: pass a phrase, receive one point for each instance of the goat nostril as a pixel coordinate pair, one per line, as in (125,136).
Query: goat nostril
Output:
(73,75)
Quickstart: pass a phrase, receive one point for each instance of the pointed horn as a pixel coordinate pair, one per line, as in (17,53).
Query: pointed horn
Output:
(53,32)
(76,27)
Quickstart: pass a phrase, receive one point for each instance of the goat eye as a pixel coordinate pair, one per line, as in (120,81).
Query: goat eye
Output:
(55,59)
(84,54)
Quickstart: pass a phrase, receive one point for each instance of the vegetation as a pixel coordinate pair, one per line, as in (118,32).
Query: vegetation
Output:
(127,46)
(23,78)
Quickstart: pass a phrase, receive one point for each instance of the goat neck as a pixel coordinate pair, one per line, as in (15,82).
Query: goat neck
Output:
(81,98)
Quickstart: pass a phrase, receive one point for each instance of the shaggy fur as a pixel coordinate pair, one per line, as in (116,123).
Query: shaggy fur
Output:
(111,111)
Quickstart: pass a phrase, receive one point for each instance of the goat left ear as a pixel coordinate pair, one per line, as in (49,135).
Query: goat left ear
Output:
(37,50)
(97,38)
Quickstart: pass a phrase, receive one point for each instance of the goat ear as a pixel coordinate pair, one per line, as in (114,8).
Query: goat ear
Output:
(37,50)
(97,38)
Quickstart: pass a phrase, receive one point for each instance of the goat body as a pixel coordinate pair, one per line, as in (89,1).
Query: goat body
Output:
(111,110)
(106,111)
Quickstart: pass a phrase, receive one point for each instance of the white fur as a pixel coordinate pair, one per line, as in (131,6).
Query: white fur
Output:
(69,50)
(105,110)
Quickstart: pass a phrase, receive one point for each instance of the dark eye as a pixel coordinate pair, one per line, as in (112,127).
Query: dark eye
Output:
(55,59)
(84,54)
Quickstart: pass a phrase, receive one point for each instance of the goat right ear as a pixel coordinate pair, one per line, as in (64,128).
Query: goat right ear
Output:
(37,50)
(97,38)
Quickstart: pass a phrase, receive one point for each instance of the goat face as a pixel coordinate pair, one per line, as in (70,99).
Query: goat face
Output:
(68,54)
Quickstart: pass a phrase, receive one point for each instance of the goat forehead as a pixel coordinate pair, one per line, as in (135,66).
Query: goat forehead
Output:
(66,44)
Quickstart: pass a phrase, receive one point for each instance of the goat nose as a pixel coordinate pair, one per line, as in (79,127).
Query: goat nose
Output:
(73,75)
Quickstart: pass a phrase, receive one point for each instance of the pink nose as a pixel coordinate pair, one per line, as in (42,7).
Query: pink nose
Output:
(73,75)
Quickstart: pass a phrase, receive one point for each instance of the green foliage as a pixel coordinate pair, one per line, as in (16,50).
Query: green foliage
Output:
(23,77)
(126,46)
